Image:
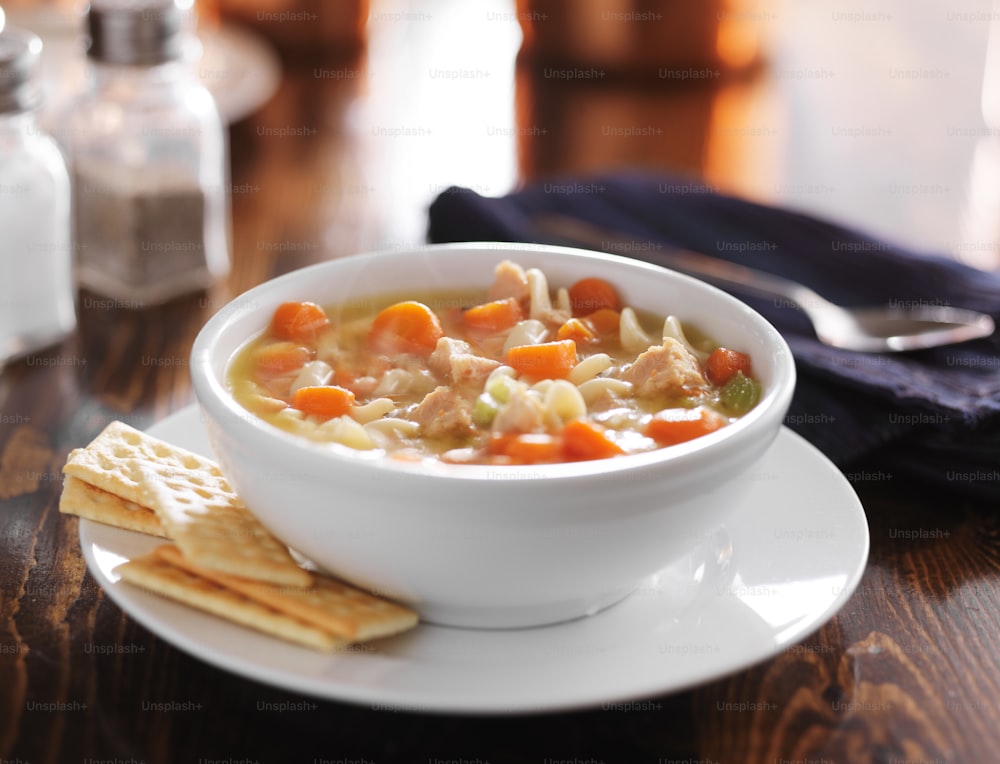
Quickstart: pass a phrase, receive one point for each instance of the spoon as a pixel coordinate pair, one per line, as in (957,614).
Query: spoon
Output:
(865,329)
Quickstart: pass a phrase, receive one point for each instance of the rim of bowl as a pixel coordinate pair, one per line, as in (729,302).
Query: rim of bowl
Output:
(213,395)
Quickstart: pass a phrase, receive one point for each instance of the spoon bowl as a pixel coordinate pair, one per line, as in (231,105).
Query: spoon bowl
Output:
(879,330)
(869,329)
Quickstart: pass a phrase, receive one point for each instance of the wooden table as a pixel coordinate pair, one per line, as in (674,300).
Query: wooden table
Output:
(906,672)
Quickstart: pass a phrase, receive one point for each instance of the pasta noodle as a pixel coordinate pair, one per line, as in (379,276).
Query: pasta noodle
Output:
(402,381)
(393,426)
(590,367)
(563,398)
(528,332)
(540,304)
(347,432)
(372,410)
(672,328)
(312,374)
(633,336)
(593,389)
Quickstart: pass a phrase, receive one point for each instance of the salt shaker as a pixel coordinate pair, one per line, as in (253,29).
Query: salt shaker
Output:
(149,159)
(36,276)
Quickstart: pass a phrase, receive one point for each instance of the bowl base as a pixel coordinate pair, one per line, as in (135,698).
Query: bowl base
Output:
(519,616)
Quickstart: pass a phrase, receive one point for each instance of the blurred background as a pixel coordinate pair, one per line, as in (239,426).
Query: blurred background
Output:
(881,114)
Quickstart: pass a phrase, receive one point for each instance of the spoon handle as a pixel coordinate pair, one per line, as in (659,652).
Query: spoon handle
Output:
(722,273)
(726,274)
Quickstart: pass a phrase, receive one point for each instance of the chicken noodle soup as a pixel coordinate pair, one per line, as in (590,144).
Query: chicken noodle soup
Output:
(519,373)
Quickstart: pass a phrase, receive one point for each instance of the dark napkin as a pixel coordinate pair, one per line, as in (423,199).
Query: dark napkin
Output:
(933,413)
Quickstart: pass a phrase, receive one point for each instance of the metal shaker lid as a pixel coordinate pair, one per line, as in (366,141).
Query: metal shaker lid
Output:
(137,32)
(19,54)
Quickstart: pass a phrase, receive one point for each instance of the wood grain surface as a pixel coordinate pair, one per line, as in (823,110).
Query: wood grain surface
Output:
(907,673)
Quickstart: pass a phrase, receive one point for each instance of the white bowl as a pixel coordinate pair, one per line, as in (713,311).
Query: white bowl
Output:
(486,546)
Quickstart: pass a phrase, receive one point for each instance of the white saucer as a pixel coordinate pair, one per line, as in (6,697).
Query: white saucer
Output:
(240,69)
(750,590)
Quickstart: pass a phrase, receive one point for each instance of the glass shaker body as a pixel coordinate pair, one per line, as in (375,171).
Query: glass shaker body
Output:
(36,278)
(150,179)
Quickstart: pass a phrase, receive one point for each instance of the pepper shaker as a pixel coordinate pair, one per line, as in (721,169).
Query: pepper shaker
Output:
(149,159)
(36,278)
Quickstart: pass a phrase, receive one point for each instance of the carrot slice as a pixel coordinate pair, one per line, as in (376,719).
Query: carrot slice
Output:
(723,363)
(604,322)
(279,358)
(494,316)
(591,294)
(584,440)
(406,327)
(344,377)
(325,401)
(575,330)
(672,426)
(546,360)
(526,448)
(300,321)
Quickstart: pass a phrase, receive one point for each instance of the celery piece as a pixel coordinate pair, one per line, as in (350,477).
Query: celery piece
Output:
(484,410)
(499,387)
(739,394)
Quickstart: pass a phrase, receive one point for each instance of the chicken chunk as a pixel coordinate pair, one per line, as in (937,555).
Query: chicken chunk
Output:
(522,413)
(454,360)
(439,361)
(509,280)
(667,369)
(443,413)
